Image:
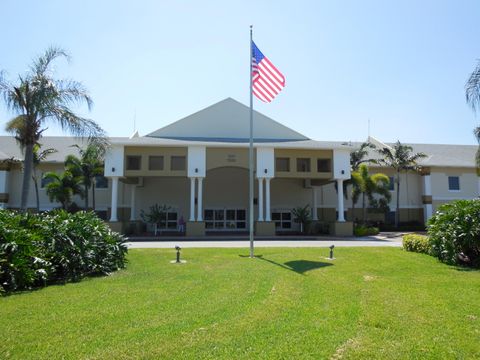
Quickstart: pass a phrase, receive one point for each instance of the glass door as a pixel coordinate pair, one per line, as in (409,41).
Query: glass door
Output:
(225,219)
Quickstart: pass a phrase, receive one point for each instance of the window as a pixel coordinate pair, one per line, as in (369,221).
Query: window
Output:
(155,163)
(303,165)
(168,220)
(101,182)
(177,163)
(225,219)
(282,219)
(391,184)
(282,164)
(134,162)
(453,183)
(102,214)
(324,165)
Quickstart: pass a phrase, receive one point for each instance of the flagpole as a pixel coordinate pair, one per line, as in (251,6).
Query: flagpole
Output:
(250,149)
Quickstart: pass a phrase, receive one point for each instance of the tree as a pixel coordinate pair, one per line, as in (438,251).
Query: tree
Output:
(302,216)
(357,158)
(367,186)
(62,187)
(38,157)
(38,99)
(88,166)
(472,96)
(400,158)
(157,216)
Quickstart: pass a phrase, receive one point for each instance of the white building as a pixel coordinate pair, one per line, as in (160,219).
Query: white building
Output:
(199,167)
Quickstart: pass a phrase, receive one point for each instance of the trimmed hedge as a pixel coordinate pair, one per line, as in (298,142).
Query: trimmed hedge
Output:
(363,230)
(454,233)
(37,249)
(416,243)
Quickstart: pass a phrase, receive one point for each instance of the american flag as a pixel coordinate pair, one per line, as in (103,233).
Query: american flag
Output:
(267,81)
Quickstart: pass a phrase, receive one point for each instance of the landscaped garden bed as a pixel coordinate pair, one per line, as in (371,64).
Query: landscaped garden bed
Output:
(41,249)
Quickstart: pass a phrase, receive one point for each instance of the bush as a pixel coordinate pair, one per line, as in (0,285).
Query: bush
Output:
(416,243)
(363,230)
(36,249)
(454,233)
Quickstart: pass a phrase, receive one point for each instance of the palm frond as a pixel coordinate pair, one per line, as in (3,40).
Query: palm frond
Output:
(42,63)
(472,88)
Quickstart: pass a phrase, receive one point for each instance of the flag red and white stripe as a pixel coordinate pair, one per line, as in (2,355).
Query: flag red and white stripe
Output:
(267,81)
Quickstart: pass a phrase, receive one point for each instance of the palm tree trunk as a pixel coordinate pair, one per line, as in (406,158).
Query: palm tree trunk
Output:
(35,182)
(86,197)
(364,207)
(93,195)
(353,211)
(397,213)
(27,174)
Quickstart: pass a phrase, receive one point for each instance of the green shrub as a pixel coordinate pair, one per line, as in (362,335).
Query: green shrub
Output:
(416,243)
(363,230)
(454,233)
(36,249)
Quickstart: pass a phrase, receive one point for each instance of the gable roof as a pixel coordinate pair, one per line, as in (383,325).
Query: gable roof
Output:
(227,121)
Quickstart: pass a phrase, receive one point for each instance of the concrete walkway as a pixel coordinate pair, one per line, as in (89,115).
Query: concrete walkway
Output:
(384,239)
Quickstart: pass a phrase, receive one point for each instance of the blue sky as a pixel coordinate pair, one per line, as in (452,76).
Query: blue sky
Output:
(401,64)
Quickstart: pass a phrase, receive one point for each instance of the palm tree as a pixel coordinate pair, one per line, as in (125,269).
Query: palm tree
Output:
(400,158)
(302,216)
(38,157)
(367,186)
(357,158)
(38,99)
(472,96)
(88,166)
(62,187)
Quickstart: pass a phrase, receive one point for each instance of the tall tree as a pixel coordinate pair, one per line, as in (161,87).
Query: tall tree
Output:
(38,99)
(62,187)
(88,166)
(367,185)
(472,96)
(38,157)
(358,157)
(401,159)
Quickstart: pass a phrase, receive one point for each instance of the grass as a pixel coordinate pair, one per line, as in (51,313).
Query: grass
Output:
(289,303)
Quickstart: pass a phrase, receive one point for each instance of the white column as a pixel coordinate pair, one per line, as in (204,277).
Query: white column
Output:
(113,214)
(132,202)
(427,191)
(427,185)
(260,199)
(192,199)
(199,200)
(267,199)
(341,217)
(314,204)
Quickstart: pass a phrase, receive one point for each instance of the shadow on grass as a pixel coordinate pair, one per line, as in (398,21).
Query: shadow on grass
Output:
(298,266)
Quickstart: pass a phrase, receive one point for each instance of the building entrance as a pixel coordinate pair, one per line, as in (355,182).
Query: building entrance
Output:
(225,219)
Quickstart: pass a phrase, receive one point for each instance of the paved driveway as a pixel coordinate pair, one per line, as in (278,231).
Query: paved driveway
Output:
(384,239)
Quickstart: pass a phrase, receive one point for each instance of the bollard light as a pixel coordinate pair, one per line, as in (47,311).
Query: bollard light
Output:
(331,251)
(178,253)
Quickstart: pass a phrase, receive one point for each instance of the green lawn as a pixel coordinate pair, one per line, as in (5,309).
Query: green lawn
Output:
(289,303)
